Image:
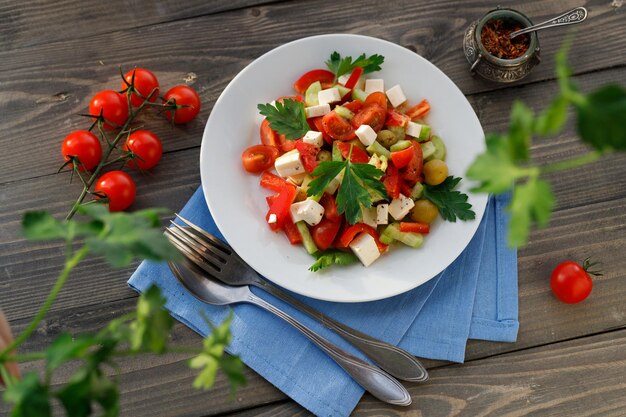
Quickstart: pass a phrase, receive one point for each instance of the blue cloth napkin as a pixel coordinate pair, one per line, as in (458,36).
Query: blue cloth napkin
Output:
(474,297)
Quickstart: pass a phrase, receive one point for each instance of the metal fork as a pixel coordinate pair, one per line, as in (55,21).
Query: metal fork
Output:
(377,382)
(221,261)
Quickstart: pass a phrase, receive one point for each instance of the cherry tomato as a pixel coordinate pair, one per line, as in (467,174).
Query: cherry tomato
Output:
(119,187)
(395,118)
(113,106)
(258,158)
(570,282)
(145,82)
(337,127)
(147,146)
(185,100)
(354,106)
(321,75)
(402,158)
(308,155)
(85,146)
(330,208)
(377,97)
(370,114)
(324,233)
(412,173)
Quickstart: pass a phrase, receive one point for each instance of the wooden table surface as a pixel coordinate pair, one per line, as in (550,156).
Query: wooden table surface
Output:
(568,360)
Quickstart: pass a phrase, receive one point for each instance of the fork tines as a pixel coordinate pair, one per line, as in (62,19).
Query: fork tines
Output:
(194,251)
(215,241)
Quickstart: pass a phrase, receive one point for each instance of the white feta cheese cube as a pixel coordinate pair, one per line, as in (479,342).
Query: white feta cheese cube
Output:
(400,207)
(382,214)
(396,95)
(332,186)
(289,164)
(364,247)
(317,111)
(308,210)
(272,218)
(314,138)
(369,216)
(330,95)
(374,84)
(413,129)
(366,134)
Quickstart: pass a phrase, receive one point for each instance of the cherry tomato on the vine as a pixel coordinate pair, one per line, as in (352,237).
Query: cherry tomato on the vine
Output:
(571,282)
(147,146)
(259,158)
(186,101)
(85,146)
(119,187)
(113,105)
(145,82)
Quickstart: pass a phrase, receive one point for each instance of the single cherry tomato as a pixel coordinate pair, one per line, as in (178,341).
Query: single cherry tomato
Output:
(412,172)
(259,158)
(321,75)
(85,146)
(354,106)
(119,187)
(183,102)
(330,208)
(402,158)
(112,105)
(377,97)
(308,155)
(337,127)
(571,282)
(144,82)
(324,233)
(147,146)
(371,114)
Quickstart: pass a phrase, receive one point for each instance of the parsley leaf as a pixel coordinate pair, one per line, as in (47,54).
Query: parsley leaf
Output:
(451,204)
(340,66)
(353,192)
(29,396)
(153,324)
(328,258)
(287,118)
(532,200)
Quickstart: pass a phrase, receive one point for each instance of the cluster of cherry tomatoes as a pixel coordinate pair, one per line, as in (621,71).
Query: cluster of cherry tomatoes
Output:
(180,104)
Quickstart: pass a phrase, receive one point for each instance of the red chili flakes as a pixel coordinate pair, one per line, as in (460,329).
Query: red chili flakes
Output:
(495,38)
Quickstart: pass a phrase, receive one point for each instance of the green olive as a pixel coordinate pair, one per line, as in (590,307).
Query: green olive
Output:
(324,155)
(399,131)
(435,172)
(386,138)
(424,211)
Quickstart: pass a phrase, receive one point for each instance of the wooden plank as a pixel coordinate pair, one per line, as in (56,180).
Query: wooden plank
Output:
(584,377)
(44,87)
(24,24)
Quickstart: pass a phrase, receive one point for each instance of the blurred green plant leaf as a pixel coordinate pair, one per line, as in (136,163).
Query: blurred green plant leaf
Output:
(533,201)
(30,398)
(150,330)
(602,118)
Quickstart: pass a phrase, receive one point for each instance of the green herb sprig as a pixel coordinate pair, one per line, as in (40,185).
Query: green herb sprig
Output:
(600,123)
(354,191)
(287,118)
(332,257)
(340,66)
(452,204)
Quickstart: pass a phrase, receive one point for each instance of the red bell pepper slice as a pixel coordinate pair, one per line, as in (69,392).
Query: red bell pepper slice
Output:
(354,77)
(297,98)
(292,232)
(324,233)
(281,207)
(350,233)
(274,182)
(270,199)
(419,111)
(358,156)
(395,118)
(402,158)
(308,155)
(321,75)
(410,227)
(413,171)
(391,181)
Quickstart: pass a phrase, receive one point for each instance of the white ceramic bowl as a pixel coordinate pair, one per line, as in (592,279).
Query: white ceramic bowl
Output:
(238,204)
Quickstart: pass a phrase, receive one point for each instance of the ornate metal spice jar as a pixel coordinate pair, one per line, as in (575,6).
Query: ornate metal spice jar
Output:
(491,67)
